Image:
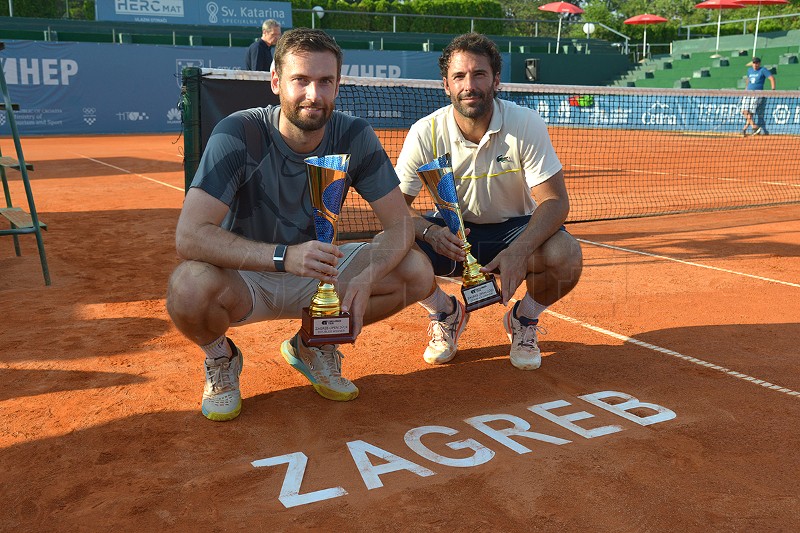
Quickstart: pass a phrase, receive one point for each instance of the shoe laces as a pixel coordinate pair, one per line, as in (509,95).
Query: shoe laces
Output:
(220,375)
(438,328)
(527,335)
(329,357)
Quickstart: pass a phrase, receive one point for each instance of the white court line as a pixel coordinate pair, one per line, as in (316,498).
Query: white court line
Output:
(129,172)
(682,175)
(762,278)
(597,329)
(637,171)
(678,355)
(782,183)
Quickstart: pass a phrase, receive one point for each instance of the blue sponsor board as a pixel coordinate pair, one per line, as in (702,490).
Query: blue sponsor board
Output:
(199,12)
(670,111)
(68,88)
(75,88)
(707,114)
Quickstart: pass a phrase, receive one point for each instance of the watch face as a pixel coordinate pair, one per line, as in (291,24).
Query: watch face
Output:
(278,257)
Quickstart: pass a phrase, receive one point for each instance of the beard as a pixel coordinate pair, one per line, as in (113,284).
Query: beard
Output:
(294,112)
(473,109)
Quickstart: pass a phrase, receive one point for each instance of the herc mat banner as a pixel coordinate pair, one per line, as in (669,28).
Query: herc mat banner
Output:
(198,12)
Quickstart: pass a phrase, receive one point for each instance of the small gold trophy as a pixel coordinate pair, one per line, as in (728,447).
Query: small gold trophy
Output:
(323,321)
(478,289)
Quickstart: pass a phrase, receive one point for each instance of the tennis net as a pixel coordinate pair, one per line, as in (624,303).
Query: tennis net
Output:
(626,152)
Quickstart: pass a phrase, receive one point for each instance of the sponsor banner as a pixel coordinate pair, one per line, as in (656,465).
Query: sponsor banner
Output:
(69,88)
(689,113)
(198,12)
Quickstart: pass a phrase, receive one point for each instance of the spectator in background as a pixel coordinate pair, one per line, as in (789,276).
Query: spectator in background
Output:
(756,76)
(259,54)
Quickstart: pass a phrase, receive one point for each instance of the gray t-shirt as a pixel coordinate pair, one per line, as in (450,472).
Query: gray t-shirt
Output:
(248,166)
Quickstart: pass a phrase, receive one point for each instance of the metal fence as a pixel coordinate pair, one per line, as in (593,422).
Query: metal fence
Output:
(743,22)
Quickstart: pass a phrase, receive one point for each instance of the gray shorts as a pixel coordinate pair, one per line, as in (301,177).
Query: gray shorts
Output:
(751,103)
(280,295)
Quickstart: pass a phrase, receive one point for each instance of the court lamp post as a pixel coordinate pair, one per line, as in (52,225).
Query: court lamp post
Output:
(588,29)
(316,12)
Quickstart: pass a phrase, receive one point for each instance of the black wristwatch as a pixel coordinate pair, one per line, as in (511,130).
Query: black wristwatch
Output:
(278,257)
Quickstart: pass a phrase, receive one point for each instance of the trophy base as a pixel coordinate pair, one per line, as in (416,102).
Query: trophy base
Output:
(331,329)
(480,295)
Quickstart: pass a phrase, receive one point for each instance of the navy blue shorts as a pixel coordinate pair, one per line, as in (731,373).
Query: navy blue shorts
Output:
(487,240)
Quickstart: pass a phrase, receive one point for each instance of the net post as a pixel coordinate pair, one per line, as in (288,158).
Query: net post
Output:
(190,106)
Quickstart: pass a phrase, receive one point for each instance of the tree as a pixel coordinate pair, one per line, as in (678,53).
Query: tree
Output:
(50,9)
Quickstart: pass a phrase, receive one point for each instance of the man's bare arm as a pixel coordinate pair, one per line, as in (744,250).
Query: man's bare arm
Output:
(552,208)
(386,252)
(199,237)
(391,245)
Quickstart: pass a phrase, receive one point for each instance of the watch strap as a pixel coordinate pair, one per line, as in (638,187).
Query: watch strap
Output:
(278,257)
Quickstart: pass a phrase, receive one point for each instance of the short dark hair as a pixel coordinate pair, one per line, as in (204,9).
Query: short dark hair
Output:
(306,40)
(756,60)
(475,43)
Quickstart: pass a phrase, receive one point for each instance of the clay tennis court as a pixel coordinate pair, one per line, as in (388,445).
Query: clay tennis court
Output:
(667,400)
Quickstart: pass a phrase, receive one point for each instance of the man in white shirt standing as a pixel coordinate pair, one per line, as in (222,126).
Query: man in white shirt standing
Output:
(512,197)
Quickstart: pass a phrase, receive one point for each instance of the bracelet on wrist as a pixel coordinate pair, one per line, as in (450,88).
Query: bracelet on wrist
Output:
(425,231)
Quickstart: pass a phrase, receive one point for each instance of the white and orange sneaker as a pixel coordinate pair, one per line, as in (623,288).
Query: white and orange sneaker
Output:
(444,331)
(522,332)
(221,397)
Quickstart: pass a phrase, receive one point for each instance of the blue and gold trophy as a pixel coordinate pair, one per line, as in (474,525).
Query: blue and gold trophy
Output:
(323,321)
(478,289)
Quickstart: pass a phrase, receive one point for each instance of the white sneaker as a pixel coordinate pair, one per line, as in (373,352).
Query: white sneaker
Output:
(525,353)
(444,331)
(221,397)
(322,366)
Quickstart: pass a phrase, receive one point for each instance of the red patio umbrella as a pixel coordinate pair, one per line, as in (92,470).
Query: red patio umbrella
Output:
(760,3)
(719,5)
(645,19)
(561,7)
